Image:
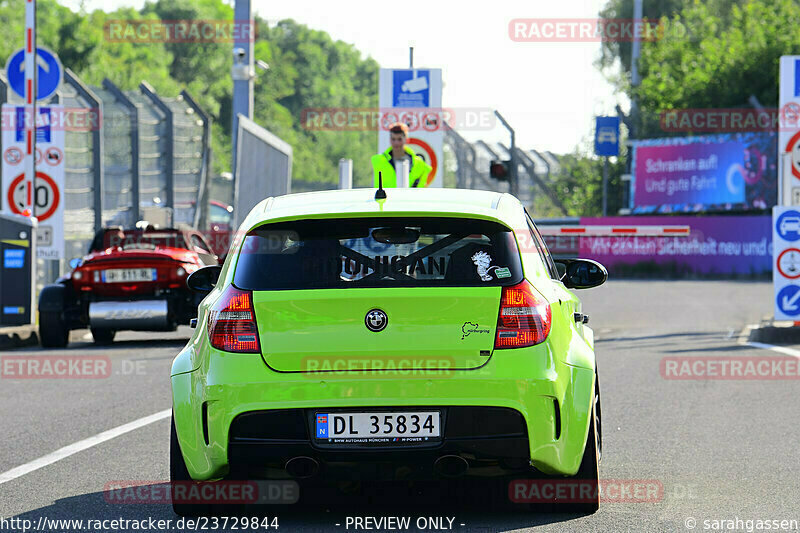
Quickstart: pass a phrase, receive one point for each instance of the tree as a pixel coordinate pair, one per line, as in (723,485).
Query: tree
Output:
(714,54)
(307,69)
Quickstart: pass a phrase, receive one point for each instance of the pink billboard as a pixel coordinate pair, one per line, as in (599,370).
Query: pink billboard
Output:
(716,245)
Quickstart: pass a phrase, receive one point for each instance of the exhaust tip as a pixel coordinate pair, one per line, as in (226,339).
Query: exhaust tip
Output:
(451,465)
(302,467)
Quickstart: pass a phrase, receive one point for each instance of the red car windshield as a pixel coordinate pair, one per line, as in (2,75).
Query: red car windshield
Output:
(140,240)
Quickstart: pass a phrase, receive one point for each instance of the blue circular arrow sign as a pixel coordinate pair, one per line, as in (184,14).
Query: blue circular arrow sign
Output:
(48,76)
(788,225)
(789,300)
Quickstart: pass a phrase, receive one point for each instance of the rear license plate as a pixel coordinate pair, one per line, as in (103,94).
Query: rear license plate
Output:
(120,275)
(388,427)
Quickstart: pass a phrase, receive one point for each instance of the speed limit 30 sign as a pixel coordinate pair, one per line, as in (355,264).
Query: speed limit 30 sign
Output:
(43,196)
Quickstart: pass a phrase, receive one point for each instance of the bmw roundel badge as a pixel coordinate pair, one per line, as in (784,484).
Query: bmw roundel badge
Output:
(376,320)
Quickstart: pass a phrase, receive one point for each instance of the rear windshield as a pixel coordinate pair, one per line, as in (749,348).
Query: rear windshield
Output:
(370,252)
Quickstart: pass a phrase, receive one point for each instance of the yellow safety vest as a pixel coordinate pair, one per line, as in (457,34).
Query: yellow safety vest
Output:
(417,174)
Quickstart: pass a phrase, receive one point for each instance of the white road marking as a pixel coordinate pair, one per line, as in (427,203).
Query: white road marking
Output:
(778,349)
(81,445)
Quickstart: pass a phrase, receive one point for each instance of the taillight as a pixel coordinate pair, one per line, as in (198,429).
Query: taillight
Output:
(232,323)
(524,319)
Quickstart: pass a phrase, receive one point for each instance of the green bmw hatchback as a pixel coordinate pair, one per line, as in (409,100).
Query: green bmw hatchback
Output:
(429,333)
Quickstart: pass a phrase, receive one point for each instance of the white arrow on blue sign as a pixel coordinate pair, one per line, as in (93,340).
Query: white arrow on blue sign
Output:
(788,300)
(48,77)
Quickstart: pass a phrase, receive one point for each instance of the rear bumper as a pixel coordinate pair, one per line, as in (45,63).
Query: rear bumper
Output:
(553,400)
(492,440)
(132,314)
(142,312)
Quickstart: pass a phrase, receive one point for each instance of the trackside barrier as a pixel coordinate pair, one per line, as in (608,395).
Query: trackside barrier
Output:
(615,231)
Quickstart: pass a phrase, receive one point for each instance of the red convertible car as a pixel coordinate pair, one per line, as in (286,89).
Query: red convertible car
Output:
(132,279)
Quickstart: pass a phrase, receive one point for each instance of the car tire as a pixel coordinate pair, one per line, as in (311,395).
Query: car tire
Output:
(598,419)
(103,336)
(53,332)
(179,475)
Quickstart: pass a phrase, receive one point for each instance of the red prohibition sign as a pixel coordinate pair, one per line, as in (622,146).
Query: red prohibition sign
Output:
(430,121)
(431,159)
(792,148)
(389,118)
(33,196)
(53,156)
(13,156)
(780,259)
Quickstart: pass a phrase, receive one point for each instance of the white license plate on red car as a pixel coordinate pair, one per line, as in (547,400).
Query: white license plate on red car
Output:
(371,427)
(121,275)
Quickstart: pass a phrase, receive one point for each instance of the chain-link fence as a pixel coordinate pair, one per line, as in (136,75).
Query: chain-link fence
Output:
(535,173)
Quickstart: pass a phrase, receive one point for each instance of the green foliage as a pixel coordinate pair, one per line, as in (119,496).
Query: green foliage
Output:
(579,186)
(310,70)
(307,69)
(710,54)
(652,10)
(724,58)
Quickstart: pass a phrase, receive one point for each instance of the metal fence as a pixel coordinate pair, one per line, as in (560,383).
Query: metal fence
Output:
(535,171)
(145,155)
(149,158)
(466,165)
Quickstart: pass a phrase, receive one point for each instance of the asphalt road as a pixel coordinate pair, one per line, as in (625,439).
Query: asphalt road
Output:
(720,449)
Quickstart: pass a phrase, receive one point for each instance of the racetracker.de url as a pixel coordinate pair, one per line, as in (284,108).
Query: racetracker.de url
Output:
(203,523)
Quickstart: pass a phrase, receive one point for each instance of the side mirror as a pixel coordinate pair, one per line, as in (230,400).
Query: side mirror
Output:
(581,273)
(75,262)
(562,269)
(204,279)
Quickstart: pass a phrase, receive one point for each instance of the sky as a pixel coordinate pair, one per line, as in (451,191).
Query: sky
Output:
(548,92)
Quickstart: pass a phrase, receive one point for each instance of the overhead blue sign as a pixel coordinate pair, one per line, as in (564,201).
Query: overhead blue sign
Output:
(606,136)
(788,300)
(48,78)
(411,88)
(788,225)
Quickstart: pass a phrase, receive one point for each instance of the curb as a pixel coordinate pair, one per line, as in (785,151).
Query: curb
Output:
(771,333)
(18,337)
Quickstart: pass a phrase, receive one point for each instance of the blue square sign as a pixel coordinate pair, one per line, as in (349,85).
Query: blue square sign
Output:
(411,88)
(797,77)
(43,125)
(606,136)
(13,258)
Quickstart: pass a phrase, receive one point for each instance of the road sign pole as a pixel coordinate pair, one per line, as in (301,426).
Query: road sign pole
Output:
(345,173)
(605,186)
(242,73)
(30,100)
